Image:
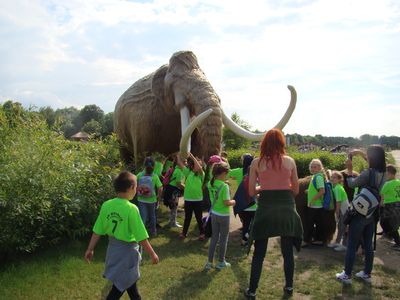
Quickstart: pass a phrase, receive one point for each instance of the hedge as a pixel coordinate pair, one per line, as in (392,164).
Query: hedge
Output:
(329,160)
(50,188)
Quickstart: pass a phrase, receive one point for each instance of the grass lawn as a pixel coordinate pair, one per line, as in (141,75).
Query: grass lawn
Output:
(61,273)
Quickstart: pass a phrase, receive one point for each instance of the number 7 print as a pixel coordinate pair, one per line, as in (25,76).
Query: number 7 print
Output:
(115,225)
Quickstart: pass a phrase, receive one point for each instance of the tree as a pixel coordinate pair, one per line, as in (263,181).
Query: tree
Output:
(232,140)
(92,127)
(49,115)
(88,113)
(367,139)
(64,120)
(108,124)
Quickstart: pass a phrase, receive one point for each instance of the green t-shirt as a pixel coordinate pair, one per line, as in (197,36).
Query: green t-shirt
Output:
(237,174)
(167,165)
(176,177)
(219,208)
(121,219)
(193,185)
(156,185)
(312,191)
(341,197)
(391,191)
(158,168)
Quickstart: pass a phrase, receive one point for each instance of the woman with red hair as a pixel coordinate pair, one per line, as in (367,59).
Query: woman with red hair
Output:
(276,174)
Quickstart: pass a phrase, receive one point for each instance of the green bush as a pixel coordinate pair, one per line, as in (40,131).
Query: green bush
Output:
(329,160)
(50,188)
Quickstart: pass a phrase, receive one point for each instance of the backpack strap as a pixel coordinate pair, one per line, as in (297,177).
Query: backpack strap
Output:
(216,197)
(314,181)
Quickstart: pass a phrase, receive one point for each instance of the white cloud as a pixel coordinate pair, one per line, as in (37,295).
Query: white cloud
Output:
(342,52)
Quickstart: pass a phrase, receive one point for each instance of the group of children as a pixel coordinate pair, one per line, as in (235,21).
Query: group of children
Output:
(390,204)
(125,223)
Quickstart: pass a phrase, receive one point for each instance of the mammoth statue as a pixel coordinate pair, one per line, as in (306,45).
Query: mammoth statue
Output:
(175,109)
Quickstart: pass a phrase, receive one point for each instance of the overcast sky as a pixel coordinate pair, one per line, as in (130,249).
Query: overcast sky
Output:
(342,56)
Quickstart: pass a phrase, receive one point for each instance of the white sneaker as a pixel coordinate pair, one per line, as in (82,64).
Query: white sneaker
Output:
(333,245)
(340,248)
(343,277)
(363,276)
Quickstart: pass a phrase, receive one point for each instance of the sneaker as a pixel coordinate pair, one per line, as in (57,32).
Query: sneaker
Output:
(222,264)
(249,295)
(288,291)
(343,277)
(333,245)
(202,237)
(340,248)
(176,225)
(208,266)
(182,236)
(363,276)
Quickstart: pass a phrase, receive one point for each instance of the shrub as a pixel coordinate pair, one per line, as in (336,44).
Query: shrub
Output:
(51,188)
(329,160)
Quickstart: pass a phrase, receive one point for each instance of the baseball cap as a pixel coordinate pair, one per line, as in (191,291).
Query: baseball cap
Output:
(215,159)
(149,162)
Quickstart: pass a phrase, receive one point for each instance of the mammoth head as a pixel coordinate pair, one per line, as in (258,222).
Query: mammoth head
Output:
(182,86)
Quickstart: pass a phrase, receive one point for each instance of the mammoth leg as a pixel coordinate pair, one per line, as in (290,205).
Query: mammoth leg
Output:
(126,155)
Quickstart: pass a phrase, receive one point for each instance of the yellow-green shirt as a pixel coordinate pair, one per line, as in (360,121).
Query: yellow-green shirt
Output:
(193,185)
(158,167)
(312,191)
(341,197)
(121,219)
(391,191)
(177,176)
(218,206)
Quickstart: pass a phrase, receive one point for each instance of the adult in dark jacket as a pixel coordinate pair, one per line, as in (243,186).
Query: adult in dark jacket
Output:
(360,226)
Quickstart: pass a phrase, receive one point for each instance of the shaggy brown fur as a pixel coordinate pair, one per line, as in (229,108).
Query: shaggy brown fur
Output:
(147,120)
(326,226)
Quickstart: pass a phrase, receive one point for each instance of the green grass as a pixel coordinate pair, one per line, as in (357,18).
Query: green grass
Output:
(61,273)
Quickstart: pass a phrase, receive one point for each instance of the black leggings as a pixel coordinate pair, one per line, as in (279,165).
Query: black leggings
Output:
(116,293)
(246,217)
(190,207)
(260,249)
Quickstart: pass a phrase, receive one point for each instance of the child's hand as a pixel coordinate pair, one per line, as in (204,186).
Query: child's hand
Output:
(154,259)
(89,255)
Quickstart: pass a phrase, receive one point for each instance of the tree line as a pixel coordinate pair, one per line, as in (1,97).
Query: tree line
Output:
(92,120)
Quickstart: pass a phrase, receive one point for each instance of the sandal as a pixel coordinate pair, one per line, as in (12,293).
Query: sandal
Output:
(202,237)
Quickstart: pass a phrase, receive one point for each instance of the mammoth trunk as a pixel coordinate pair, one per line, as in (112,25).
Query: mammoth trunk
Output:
(210,135)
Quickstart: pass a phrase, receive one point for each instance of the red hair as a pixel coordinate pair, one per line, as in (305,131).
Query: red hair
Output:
(272,146)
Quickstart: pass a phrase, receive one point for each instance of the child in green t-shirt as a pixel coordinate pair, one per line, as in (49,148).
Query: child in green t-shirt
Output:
(390,194)
(121,221)
(315,195)
(342,204)
(193,195)
(174,190)
(220,215)
(149,191)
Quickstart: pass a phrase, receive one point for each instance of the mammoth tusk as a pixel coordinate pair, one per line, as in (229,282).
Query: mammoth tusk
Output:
(259,136)
(184,144)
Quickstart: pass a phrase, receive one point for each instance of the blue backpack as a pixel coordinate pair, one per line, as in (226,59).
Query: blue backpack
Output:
(329,202)
(145,186)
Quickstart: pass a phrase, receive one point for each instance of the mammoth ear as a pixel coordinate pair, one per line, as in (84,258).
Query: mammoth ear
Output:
(160,89)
